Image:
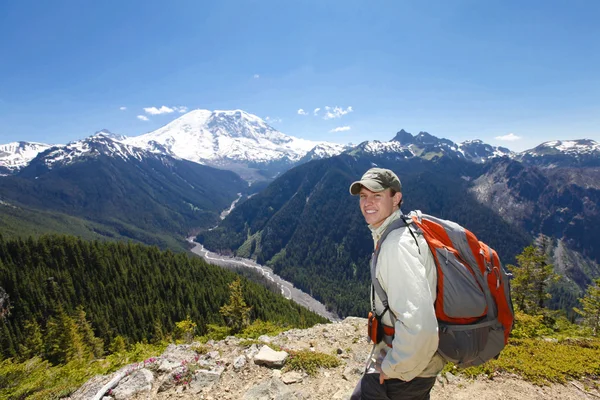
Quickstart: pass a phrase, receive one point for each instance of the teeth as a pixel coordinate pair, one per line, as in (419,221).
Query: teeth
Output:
(370,212)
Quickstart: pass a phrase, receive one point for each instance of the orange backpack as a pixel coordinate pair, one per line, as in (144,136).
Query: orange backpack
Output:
(473,305)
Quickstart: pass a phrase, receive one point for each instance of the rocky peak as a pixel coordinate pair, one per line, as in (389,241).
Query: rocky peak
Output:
(404,138)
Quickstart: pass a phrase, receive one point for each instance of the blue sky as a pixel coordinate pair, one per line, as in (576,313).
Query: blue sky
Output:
(456,69)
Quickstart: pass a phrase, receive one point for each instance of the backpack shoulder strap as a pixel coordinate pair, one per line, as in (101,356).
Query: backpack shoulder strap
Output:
(403,221)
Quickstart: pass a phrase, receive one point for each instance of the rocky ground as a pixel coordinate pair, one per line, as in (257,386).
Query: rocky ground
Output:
(234,369)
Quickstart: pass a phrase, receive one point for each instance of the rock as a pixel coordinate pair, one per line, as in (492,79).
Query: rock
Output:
(277,374)
(451,378)
(252,351)
(339,351)
(271,389)
(168,366)
(270,358)
(139,381)
(351,373)
(204,378)
(291,377)
(239,362)
(264,338)
(91,387)
(179,353)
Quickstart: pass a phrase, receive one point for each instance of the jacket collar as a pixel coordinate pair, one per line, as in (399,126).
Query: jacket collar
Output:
(377,232)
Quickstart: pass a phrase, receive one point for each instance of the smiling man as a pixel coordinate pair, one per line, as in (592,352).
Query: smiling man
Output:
(406,361)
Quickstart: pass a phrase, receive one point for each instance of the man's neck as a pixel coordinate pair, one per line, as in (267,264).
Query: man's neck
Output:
(378,231)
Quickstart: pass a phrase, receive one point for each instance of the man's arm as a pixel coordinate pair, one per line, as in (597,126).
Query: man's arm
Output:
(404,278)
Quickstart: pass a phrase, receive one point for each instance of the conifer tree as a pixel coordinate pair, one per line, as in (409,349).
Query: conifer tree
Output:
(63,341)
(532,278)
(34,343)
(236,313)
(94,346)
(590,304)
(117,345)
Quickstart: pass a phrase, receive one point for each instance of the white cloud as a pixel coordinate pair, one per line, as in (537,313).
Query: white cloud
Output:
(336,112)
(511,137)
(340,129)
(143,117)
(256,76)
(157,111)
(181,109)
(302,112)
(317,110)
(123,108)
(273,120)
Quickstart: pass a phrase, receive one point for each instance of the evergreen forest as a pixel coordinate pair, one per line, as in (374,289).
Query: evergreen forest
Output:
(115,291)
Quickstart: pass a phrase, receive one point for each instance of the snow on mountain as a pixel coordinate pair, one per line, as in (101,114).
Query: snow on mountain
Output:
(16,155)
(425,145)
(220,137)
(94,146)
(480,152)
(569,147)
(325,150)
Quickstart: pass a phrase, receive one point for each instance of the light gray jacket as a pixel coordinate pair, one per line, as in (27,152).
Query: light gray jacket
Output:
(407,274)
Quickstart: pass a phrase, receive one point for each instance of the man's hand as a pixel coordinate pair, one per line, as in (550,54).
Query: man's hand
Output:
(382,375)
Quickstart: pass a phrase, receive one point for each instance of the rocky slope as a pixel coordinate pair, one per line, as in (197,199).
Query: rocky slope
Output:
(234,369)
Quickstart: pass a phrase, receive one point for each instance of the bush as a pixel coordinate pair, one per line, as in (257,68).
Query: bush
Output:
(310,361)
(259,328)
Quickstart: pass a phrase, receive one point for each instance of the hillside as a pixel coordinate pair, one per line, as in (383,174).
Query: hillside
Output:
(133,291)
(306,225)
(228,370)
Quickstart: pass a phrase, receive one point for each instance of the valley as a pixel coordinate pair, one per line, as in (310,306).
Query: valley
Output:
(287,289)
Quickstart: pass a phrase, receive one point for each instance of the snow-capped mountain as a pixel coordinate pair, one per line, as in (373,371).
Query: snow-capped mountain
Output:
(220,138)
(325,150)
(425,145)
(96,145)
(16,155)
(558,153)
(479,152)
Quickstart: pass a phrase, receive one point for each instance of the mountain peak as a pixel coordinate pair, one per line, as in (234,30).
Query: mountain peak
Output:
(404,137)
(225,137)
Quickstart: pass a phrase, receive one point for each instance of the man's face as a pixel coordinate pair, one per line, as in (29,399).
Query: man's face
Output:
(377,206)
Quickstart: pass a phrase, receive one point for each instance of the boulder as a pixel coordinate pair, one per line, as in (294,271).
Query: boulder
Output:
(270,358)
(291,377)
(139,381)
(239,362)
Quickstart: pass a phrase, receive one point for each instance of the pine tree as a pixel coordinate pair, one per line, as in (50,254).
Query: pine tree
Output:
(590,304)
(117,345)
(236,313)
(532,278)
(94,346)
(34,343)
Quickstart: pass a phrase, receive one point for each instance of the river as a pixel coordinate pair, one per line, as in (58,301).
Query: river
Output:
(287,288)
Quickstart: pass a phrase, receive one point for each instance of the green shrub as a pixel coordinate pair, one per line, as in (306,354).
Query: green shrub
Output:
(310,361)
(545,361)
(529,326)
(259,328)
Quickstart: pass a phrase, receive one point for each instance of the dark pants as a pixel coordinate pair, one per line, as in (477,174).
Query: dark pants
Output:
(369,388)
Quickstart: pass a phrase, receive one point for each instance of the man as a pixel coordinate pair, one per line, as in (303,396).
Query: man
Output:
(406,367)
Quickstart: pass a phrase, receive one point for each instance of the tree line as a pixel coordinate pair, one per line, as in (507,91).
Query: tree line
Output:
(64,296)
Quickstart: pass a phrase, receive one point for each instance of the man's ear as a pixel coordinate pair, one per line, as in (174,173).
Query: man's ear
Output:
(397,199)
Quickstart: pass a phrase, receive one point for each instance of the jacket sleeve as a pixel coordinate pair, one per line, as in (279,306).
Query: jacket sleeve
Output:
(403,276)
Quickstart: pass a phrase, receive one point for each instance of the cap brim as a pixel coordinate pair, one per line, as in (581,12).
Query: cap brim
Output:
(373,186)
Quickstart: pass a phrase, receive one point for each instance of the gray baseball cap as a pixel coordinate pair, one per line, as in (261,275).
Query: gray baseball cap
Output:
(377,180)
